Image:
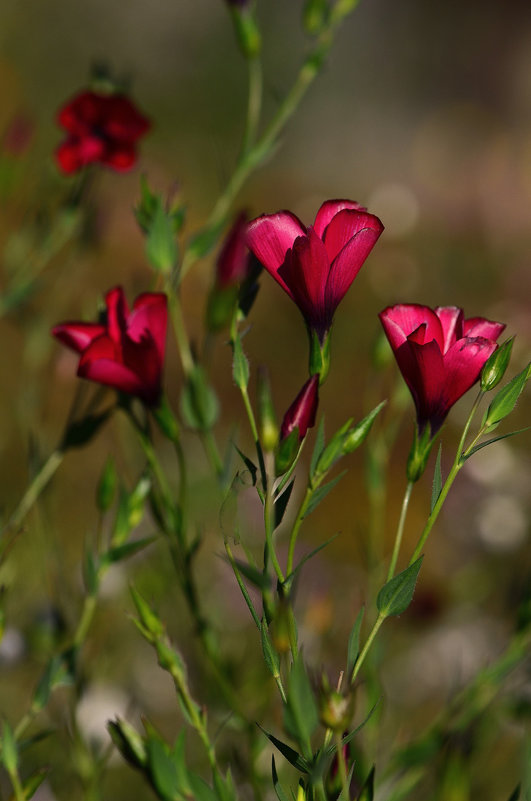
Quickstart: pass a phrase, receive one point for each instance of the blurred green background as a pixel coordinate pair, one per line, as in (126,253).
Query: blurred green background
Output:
(422,113)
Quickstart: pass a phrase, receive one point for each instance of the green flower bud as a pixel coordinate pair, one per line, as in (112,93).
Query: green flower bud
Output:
(496,365)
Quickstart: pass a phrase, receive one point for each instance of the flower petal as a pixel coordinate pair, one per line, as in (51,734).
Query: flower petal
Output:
(402,320)
(305,272)
(117,313)
(123,121)
(150,313)
(329,209)
(302,411)
(78,336)
(346,225)
(451,318)
(463,364)
(121,156)
(423,370)
(479,327)
(347,264)
(270,237)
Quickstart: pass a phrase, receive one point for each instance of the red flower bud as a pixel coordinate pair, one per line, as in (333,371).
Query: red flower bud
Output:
(101,128)
(302,411)
(232,265)
(439,353)
(315,265)
(126,351)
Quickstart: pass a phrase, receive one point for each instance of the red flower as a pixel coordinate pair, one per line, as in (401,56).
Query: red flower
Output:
(302,411)
(101,128)
(232,265)
(439,353)
(126,350)
(315,265)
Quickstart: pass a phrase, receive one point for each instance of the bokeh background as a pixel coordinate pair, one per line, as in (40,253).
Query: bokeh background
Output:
(423,114)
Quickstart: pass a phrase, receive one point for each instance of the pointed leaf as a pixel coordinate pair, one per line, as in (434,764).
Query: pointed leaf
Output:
(318,446)
(395,596)
(516,794)
(367,791)
(270,655)
(477,448)
(321,493)
(250,465)
(506,399)
(9,753)
(309,556)
(300,713)
(293,757)
(201,791)
(437,481)
(124,551)
(281,503)
(240,364)
(279,790)
(252,574)
(162,769)
(354,643)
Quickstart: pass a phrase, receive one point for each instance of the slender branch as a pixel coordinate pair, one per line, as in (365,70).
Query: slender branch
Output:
(400,530)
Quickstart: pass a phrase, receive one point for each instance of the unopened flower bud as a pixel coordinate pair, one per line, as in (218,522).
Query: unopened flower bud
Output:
(301,413)
(496,365)
(335,708)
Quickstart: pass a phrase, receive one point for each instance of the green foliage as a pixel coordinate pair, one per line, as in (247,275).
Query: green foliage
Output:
(505,401)
(354,643)
(199,404)
(240,363)
(437,481)
(300,713)
(106,486)
(395,596)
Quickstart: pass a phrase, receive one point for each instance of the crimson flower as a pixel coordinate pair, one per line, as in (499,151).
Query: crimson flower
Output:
(126,350)
(315,265)
(302,411)
(101,128)
(439,353)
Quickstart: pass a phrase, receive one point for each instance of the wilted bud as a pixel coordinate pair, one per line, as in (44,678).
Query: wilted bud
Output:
(301,413)
(266,413)
(496,365)
(335,707)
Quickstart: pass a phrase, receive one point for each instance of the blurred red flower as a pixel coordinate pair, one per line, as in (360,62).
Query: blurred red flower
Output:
(439,353)
(232,265)
(101,128)
(315,265)
(126,350)
(302,411)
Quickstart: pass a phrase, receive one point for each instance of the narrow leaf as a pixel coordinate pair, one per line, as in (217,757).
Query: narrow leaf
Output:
(506,399)
(240,364)
(279,790)
(250,465)
(9,752)
(293,757)
(281,503)
(300,714)
(395,596)
(201,791)
(322,492)
(367,791)
(252,574)
(318,446)
(354,643)
(477,448)
(270,655)
(308,557)
(437,481)
(516,794)
(124,551)
(162,769)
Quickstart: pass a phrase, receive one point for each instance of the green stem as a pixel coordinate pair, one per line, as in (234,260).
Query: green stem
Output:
(87,615)
(20,795)
(212,452)
(35,488)
(370,639)
(179,328)
(269,521)
(400,530)
(342,766)
(254,103)
(296,526)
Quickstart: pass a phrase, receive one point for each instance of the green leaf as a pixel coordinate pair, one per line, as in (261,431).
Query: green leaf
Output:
(90,572)
(367,791)
(395,596)
(300,712)
(128,742)
(293,757)
(255,576)
(201,791)
(308,557)
(333,451)
(354,643)
(469,453)
(9,753)
(250,465)
(281,503)
(149,620)
(33,782)
(437,481)
(162,769)
(79,432)
(270,655)
(161,248)
(321,493)
(506,399)
(240,364)
(318,447)
(199,404)
(359,433)
(515,795)
(124,551)
(106,486)
(279,790)
(57,673)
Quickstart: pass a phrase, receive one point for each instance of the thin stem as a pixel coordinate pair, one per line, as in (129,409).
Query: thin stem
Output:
(254,103)
(400,530)
(35,488)
(269,521)
(241,585)
(20,795)
(87,615)
(342,766)
(181,336)
(370,639)
(296,526)
(212,452)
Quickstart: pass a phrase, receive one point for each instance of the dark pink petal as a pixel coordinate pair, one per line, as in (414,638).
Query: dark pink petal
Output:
(232,262)
(82,111)
(150,314)
(329,209)
(479,327)
(121,156)
(423,370)
(123,121)
(403,319)
(305,272)
(451,318)
(270,237)
(112,374)
(117,313)
(78,336)
(69,156)
(346,225)
(346,266)
(463,364)
(302,411)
